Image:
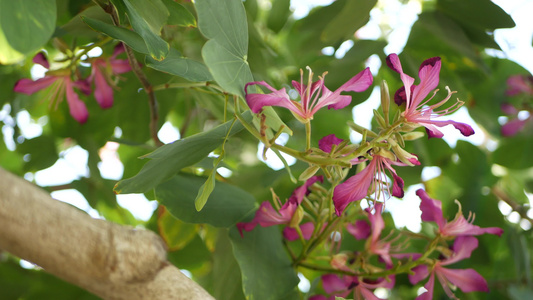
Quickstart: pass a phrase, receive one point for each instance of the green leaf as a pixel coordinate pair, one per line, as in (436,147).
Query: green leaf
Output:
(147,18)
(515,153)
(41,152)
(483,14)
(176,64)
(227,204)
(231,72)
(27,24)
(225,22)
(175,233)
(179,15)
(226,275)
(353,16)
(169,159)
(261,257)
(278,15)
(226,51)
(121,10)
(205,191)
(129,37)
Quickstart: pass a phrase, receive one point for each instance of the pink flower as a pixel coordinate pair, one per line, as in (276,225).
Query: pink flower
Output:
(326,143)
(62,84)
(346,285)
(313,95)
(467,280)
(519,84)
(416,111)
(370,179)
(432,212)
(267,215)
(102,71)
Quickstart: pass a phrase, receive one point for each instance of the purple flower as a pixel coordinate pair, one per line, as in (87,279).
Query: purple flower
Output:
(346,285)
(61,84)
(432,212)
(467,280)
(370,179)
(416,110)
(519,84)
(267,215)
(326,143)
(313,95)
(102,71)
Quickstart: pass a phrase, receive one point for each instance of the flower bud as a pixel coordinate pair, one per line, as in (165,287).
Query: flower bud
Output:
(297,217)
(404,156)
(386,153)
(380,119)
(385,100)
(413,135)
(308,173)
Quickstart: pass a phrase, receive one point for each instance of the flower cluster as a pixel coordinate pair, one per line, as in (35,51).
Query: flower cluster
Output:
(62,84)
(517,85)
(321,211)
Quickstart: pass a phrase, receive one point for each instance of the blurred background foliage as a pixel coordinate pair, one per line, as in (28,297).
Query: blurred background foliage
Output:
(492,178)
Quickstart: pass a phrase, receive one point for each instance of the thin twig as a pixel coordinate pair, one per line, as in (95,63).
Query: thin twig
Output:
(147,87)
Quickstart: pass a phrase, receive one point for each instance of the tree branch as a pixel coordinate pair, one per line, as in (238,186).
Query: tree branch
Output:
(109,260)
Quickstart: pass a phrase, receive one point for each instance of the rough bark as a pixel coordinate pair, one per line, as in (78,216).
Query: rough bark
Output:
(109,260)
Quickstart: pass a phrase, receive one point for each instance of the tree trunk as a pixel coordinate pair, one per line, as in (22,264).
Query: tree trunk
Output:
(109,260)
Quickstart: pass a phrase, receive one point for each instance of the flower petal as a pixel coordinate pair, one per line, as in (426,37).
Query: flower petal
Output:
(467,280)
(360,229)
(326,143)
(77,108)
(354,188)
(40,59)
(465,129)
(420,272)
(513,127)
(291,234)
(431,209)
(28,86)
(429,286)
(333,284)
(119,66)
(277,98)
(393,61)
(462,227)
(103,93)
(266,215)
(429,80)
(462,249)
(335,100)
(299,193)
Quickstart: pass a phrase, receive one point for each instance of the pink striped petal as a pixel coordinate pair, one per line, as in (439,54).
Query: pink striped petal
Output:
(256,102)
(420,272)
(513,127)
(354,188)
(326,143)
(103,93)
(28,86)
(462,249)
(467,280)
(40,59)
(360,229)
(291,234)
(431,209)
(429,80)
(429,286)
(335,100)
(77,108)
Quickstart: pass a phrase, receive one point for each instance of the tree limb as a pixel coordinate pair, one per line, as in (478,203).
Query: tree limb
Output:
(109,260)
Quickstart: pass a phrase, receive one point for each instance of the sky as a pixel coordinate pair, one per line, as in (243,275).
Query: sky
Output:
(515,42)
